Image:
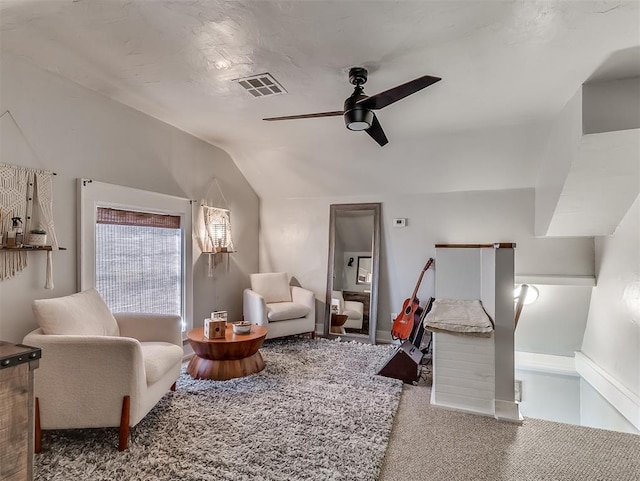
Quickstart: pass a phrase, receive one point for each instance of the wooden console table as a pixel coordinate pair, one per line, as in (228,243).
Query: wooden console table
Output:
(17,363)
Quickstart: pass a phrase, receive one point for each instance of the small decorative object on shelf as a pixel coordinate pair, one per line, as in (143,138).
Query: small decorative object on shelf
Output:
(13,237)
(37,237)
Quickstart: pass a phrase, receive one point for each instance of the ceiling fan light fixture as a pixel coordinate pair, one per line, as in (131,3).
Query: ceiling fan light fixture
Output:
(358,126)
(358,119)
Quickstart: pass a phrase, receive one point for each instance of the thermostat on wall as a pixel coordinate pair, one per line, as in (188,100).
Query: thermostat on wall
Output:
(399,222)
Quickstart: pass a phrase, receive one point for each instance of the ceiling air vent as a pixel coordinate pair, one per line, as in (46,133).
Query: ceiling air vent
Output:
(261,85)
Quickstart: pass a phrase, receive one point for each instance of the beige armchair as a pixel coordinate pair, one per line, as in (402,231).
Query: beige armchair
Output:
(354,310)
(284,310)
(99,369)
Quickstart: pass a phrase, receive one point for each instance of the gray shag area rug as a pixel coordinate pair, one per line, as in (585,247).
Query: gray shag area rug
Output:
(316,412)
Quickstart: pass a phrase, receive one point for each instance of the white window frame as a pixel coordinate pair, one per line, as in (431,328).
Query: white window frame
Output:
(93,194)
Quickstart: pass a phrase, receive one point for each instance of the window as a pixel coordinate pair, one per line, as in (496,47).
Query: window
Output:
(136,250)
(138,261)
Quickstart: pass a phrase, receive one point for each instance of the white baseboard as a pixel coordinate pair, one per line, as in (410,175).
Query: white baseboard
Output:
(625,401)
(384,337)
(508,411)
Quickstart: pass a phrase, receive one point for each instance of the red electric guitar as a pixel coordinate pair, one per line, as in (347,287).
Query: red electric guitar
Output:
(404,323)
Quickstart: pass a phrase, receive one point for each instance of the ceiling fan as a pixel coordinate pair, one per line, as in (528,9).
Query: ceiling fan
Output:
(358,108)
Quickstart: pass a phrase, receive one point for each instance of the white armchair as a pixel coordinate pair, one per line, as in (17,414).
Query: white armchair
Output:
(284,310)
(354,310)
(100,369)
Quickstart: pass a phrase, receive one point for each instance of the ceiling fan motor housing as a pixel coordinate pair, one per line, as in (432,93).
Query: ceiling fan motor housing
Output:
(355,116)
(358,119)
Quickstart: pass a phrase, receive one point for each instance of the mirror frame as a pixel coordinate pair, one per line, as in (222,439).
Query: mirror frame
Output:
(335,209)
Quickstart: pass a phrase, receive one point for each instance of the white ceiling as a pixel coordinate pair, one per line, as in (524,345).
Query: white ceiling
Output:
(507,68)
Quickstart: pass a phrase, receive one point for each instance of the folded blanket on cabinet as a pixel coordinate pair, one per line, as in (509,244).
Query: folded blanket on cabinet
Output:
(459,316)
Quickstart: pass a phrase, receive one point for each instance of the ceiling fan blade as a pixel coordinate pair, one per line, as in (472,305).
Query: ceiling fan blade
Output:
(394,94)
(307,116)
(376,132)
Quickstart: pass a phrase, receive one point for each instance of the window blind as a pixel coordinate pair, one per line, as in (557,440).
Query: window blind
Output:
(111,216)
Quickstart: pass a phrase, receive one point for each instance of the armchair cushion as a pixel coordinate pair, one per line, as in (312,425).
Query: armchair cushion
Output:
(353,314)
(84,313)
(283,311)
(272,286)
(158,359)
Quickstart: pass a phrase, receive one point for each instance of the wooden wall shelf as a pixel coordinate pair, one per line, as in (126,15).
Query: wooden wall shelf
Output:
(32,248)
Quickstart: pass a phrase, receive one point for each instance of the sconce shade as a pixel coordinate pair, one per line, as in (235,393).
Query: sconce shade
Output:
(218,227)
(531,294)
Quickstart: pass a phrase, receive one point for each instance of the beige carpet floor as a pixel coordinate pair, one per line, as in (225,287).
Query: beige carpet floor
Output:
(429,443)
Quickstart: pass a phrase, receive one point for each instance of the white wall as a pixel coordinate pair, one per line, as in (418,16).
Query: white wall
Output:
(349,275)
(555,322)
(611,105)
(612,334)
(554,397)
(78,133)
(597,412)
(294,238)
(561,149)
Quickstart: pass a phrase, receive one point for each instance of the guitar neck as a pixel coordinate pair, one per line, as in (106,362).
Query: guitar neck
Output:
(415,291)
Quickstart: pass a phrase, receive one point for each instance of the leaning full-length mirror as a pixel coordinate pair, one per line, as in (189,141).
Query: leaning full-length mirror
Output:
(352,272)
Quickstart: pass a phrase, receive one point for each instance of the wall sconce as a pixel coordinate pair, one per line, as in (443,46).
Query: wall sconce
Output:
(524,294)
(529,292)
(218,228)
(350,263)
(217,238)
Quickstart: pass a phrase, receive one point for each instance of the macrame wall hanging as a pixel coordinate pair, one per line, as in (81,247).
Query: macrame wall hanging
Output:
(213,226)
(26,193)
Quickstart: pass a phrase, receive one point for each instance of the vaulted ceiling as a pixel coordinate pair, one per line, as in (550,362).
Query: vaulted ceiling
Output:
(508,67)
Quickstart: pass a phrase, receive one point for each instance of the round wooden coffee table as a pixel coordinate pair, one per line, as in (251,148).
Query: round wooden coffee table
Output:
(235,355)
(337,321)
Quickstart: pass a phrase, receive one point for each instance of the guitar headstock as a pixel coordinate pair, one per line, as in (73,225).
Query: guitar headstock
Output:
(428,264)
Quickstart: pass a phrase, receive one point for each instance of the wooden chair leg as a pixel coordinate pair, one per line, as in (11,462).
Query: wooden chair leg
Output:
(313,334)
(123,441)
(37,435)
(173,386)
